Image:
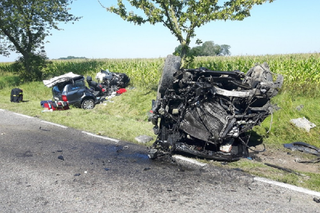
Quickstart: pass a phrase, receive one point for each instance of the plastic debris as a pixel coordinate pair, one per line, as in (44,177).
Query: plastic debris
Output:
(303,123)
(60,157)
(303,147)
(317,200)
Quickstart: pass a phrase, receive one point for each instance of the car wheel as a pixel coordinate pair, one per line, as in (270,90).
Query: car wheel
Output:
(87,104)
(171,65)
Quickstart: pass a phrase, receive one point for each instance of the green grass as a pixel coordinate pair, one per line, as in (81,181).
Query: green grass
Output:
(125,117)
(117,118)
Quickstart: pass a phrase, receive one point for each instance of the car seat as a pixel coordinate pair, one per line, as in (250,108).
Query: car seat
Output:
(95,86)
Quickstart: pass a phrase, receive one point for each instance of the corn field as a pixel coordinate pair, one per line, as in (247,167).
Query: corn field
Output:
(298,69)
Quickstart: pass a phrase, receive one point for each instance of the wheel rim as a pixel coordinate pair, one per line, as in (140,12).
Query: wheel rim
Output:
(88,104)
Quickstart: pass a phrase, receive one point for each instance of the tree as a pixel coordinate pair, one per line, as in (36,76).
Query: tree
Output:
(225,49)
(25,24)
(208,48)
(182,17)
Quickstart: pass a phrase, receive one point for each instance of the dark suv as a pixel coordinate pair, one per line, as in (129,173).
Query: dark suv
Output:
(71,88)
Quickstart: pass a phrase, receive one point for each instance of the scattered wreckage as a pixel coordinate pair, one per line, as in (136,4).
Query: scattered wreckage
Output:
(70,88)
(306,148)
(209,113)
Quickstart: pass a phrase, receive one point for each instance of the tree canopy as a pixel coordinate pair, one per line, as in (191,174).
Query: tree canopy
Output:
(182,17)
(208,48)
(25,24)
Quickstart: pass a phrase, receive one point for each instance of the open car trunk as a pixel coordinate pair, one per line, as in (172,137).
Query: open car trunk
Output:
(209,113)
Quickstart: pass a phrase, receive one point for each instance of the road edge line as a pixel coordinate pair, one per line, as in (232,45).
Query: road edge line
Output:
(54,124)
(102,137)
(26,116)
(288,186)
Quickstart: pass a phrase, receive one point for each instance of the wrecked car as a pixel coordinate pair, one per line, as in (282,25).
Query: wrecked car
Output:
(71,88)
(113,81)
(208,113)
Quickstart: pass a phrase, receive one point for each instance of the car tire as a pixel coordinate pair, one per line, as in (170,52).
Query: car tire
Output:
(87,103)
(171,65)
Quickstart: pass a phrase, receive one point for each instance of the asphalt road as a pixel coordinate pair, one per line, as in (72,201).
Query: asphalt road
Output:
(48,168)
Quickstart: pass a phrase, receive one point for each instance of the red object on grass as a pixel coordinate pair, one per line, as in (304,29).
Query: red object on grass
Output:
(56,105)
(121,90)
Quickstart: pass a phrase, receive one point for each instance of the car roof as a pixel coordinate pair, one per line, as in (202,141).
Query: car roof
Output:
(62,78)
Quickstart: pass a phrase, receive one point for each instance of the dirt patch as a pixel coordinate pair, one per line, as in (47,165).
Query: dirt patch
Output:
(288,159)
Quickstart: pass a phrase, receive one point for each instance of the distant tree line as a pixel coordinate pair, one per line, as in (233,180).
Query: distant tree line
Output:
(70,58)
(208,48)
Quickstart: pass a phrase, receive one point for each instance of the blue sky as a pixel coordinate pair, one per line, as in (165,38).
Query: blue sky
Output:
(281,27)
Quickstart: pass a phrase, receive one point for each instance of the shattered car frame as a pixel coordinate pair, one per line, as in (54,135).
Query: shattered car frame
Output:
(71,88)
(209,113)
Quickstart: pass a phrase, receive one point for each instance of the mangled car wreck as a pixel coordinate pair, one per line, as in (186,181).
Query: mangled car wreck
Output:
(209,113)
(71,88)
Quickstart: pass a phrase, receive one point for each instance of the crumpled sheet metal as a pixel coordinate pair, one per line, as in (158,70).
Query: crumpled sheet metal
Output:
(303,147)
(61,78)
(303,123)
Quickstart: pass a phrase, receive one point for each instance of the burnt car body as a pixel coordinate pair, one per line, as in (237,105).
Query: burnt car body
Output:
(209,113)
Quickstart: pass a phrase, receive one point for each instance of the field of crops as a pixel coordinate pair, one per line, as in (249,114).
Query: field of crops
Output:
(301,71)
(297,69)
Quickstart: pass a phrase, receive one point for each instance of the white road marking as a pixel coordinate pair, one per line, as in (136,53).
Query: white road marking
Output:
(260,179)
(102,137)
(54,124)
(189,160)
(26,116)
(288,186)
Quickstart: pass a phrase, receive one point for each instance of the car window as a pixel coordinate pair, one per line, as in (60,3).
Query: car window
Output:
(77,85)
(56,89)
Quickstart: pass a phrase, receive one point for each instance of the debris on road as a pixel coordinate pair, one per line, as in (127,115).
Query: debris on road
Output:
(60,157)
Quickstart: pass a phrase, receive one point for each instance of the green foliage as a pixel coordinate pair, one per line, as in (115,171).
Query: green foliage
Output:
(301,71)
(9,80)
(142,72)
(183,17)
(70,58)
(24,25)
(81,67)
(208,48)
(30,67)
